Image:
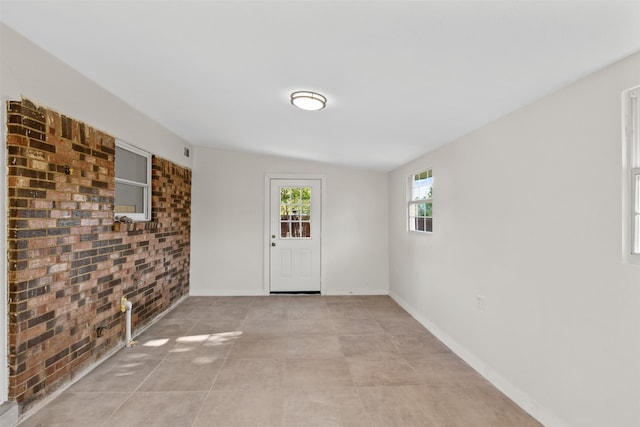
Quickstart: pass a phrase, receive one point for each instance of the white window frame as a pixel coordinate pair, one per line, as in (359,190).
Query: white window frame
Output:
(146,214)
(631,170)
(411,203)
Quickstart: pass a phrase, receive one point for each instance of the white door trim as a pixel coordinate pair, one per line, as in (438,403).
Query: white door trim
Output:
(267,225)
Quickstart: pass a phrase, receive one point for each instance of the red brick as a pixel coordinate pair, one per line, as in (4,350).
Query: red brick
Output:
(59,280)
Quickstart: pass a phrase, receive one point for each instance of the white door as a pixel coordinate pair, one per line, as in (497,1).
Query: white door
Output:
(295,221)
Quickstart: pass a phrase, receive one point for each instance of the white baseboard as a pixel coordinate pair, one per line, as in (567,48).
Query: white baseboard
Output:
(522,399)
(9,414)
(340,292)
(261,292)
(227,293)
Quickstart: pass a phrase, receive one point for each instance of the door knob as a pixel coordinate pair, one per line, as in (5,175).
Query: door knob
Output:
(273,244)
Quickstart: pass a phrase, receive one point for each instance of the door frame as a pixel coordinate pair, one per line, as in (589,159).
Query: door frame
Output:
(267,225)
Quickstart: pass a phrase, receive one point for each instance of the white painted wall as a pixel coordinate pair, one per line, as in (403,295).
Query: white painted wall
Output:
(227,241)
(29,71)
(527,213)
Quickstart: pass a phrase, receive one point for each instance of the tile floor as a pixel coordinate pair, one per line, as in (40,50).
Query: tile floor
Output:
(283,361)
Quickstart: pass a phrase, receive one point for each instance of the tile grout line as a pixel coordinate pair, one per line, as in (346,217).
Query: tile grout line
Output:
(115,411)
(215,378)
(162,360)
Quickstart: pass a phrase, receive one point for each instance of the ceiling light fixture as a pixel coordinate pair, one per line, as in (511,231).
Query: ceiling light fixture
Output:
(309,101)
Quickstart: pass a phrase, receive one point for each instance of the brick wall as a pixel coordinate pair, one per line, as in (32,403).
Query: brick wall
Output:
(69,263)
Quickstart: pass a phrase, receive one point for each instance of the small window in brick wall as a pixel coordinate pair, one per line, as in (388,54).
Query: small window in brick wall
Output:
(133,183)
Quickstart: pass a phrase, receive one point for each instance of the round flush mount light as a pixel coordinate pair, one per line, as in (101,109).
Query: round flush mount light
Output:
(309,101)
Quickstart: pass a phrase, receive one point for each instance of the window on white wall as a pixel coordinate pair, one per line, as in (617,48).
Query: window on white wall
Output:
(133,182)
(632,136)
(420,206)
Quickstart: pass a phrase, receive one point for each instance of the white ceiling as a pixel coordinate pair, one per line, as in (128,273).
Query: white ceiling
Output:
(402,77)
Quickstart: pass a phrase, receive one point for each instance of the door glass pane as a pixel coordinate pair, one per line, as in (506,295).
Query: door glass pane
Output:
(295,229)
(306,229)
(284,229)
(295,212)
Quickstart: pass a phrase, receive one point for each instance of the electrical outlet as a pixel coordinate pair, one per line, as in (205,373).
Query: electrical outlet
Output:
(480,302)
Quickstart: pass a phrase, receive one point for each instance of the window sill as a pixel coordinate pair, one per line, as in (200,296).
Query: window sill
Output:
(135,226)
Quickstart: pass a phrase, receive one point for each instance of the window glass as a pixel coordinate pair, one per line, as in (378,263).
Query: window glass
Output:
(632,126)
(133,178)
(637,195)
(420,206)
(131,166)
(422,186)
(130,199)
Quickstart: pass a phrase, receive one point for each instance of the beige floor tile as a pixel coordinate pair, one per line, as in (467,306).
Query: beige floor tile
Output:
(445,369)
(264,329)
(118,374)
(279,301)
(150,347)
(482,406)
(226,313)
(260,313)
(346,326)
(386,310)
(405,406)
(203,347)
(77,410)
(237,301)
(401,325)
(313,347)
(215,326)
(308,307)
(311,326)
(284,361)
(373,347)
(192,313)
(241,408)
(418,345)
(168,328)
(310,374)
(354,311)
(267,348)
(181,375)
(382,372)
(295,313)
(164,409)
(251,374)
(377,301)
(339,406)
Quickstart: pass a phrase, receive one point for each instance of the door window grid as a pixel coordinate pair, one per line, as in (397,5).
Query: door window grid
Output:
(295,212)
